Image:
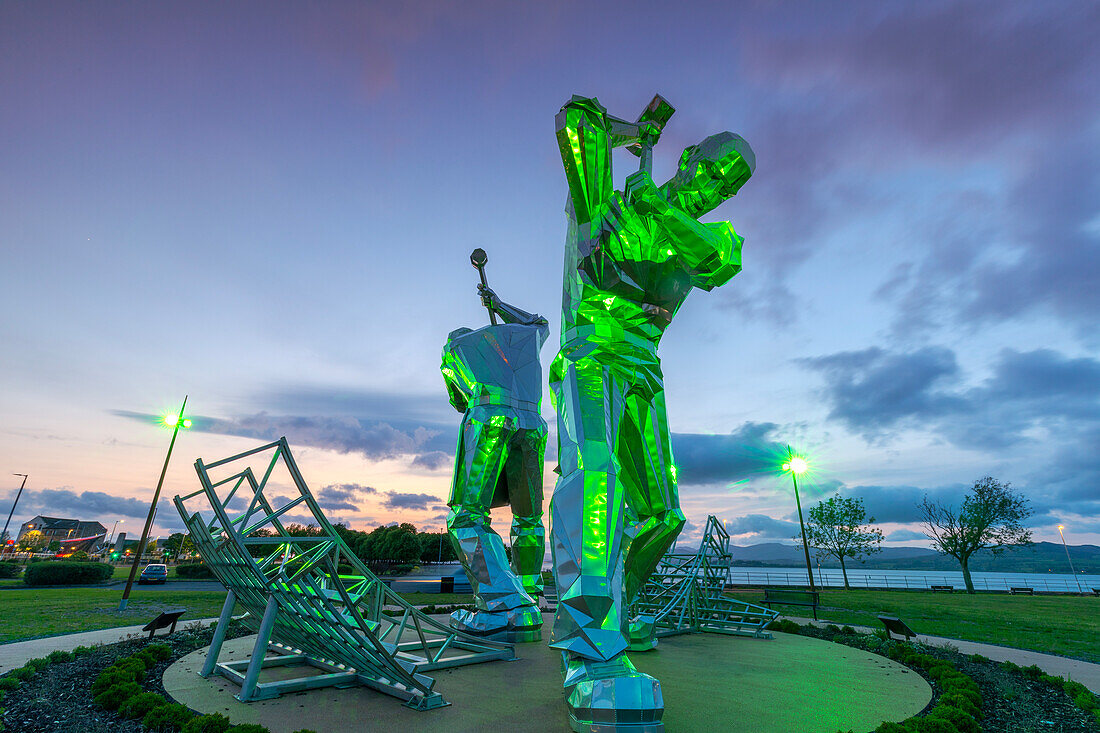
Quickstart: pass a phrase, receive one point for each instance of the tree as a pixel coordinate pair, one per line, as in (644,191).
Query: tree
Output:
(990,519)
(839,527)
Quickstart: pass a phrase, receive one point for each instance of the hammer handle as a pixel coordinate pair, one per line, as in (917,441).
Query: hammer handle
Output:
(492,315)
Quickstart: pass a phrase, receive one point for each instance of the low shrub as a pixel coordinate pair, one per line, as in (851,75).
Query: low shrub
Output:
(80,651)
(193,570)
(10,569)
(979,659)
(22,673)
(114,696)
(785,626)
(138,706)
(249,728)
(67,573)
(37,664)
(60,656)
(109,678)
(168,718)
(1033,671)
(160,651)
(9,683)
(214,723)
(146,658)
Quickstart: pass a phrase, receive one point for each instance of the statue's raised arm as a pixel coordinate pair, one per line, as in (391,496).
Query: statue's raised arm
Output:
(586,135)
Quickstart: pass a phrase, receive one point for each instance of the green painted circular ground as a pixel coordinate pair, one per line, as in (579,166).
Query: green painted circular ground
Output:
(791,684)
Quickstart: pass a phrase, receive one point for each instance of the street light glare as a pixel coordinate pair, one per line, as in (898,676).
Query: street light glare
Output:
(797,466)
(1061,527)
(170,420)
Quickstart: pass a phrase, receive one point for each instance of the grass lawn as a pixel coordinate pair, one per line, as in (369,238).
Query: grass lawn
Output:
(34,612)
(1066,625)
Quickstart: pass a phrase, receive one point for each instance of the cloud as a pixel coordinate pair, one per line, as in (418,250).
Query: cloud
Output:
(898,504)
(433,460)
(399,500)
(373,439)
(762,526)
(343,497)
(707,459)
(67,503)
(874,391)
(901,535)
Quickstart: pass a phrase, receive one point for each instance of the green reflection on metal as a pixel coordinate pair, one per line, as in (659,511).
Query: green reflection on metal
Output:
(494,378)
(631,259)
(296,599)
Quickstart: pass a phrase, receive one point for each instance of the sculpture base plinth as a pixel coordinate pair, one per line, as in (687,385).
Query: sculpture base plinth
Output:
(732,684)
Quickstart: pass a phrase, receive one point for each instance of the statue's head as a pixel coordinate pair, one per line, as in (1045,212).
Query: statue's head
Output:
(710,172)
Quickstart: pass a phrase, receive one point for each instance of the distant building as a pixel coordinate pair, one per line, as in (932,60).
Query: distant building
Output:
(41,531)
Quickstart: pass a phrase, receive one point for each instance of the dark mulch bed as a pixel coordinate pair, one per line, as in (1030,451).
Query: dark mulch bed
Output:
(1012,701)
(59,699)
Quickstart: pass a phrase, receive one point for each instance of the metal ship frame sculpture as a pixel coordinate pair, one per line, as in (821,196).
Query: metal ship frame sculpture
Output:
(685,594)
(300,604)
(632,257)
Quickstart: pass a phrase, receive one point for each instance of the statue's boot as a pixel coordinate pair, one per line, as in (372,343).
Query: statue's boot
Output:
(514,625)
(642,633)
(611,697)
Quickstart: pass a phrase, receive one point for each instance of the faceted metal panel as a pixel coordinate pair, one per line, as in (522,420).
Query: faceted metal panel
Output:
(494,378)
(631,259)
(686,593)
(296,598)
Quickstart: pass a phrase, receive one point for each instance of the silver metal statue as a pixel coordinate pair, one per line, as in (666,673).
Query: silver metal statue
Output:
(494,379)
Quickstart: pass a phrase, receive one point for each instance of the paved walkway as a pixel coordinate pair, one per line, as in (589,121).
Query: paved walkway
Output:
(16,654)
(1087,673)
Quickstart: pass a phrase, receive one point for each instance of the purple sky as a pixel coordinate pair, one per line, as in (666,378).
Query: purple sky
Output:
(269,206)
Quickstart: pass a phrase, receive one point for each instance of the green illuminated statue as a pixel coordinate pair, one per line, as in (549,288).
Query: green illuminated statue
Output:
(631,258)
(494,378)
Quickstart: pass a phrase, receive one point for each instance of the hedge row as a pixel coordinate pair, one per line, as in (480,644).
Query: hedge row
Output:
(193,570)
(1082,696)
(14,679)
(67,573)
(10,569)
(116,688)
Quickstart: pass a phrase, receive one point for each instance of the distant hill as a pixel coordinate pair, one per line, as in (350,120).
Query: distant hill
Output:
(1041,557)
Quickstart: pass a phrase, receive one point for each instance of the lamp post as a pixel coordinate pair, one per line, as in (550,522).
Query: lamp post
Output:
(1075,578)
(14,504)
(798,466)
(111,541)
(175,422)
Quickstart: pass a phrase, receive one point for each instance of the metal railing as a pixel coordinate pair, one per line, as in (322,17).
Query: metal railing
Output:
(832,578)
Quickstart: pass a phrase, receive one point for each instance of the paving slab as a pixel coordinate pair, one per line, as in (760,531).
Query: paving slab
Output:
(793,684)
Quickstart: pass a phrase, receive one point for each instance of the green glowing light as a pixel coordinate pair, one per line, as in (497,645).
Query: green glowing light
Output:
(797,466)
(170,421)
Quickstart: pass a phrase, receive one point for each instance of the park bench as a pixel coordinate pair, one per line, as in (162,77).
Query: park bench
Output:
(895,625)
(785,597)
(1021,591)
(942,588)
(164,621)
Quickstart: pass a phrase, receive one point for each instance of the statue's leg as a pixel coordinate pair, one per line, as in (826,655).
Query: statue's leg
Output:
(650,480)
(523,469)
(497,592)
(604,691)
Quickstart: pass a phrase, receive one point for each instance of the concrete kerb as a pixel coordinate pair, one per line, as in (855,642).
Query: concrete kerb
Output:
(1087,673)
